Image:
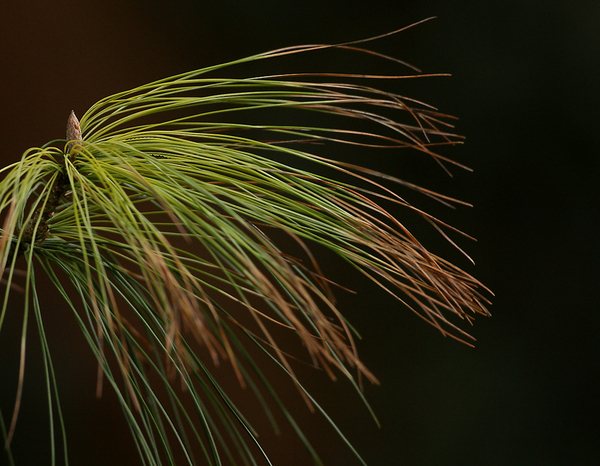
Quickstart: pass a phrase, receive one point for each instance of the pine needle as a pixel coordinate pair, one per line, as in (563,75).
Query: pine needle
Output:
(180,159)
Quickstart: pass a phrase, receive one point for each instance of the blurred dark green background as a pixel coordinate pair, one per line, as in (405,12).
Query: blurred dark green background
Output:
(526,88)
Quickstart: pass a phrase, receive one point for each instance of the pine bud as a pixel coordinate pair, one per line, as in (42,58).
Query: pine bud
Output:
(73,131)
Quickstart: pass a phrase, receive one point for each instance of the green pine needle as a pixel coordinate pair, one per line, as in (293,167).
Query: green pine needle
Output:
(161,211)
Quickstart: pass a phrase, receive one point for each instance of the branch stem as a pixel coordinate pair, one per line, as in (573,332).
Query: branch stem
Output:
(45,212)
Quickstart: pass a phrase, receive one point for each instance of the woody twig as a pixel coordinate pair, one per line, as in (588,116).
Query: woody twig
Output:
(38,223)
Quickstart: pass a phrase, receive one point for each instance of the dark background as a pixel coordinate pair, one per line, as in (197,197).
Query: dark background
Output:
(525,86)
